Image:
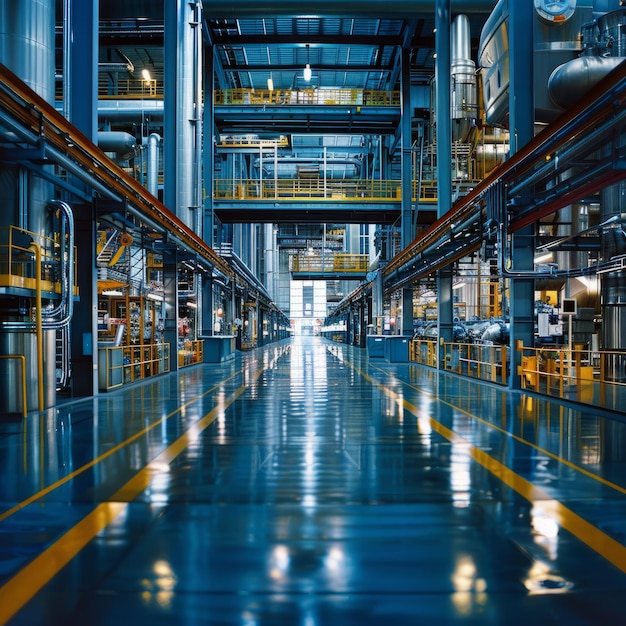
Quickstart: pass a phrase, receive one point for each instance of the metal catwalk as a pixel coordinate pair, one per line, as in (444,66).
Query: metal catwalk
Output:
(303,484)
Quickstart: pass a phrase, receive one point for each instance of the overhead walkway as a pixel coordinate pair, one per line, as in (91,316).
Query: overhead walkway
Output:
(338,266)
(304,483)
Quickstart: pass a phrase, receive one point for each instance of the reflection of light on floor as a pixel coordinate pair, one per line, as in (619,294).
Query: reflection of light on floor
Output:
(159,488)
(541,580)
(460,480)
(469,589)
(546,531)
(279,562)
(161,589)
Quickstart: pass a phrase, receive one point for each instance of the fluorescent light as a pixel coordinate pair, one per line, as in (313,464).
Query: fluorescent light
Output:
(307,72)
(112,292)
(146,75)
(458,285)
(270,84)
(154,296)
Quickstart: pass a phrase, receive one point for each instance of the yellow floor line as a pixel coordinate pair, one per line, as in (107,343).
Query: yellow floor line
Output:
(556,457)
(31,579)
(83,468)
(590,535)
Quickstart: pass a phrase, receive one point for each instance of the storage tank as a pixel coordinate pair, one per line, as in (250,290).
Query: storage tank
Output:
(27,48)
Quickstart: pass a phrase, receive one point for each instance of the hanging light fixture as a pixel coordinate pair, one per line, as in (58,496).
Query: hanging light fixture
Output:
(307,67)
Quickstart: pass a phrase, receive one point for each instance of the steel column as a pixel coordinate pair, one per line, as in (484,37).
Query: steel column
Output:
(521,108)
(443,128)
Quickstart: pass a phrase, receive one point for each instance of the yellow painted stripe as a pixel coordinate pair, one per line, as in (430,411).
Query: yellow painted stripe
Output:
(556,457)
(607,547)
(83,468)
(31,579)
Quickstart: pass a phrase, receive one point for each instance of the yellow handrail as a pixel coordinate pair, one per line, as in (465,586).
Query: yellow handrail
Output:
(325,97)
(305,189)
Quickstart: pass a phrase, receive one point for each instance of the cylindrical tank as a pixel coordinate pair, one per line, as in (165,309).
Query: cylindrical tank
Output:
(572,80)
(27,48)
(611,30)
(25,343)
(613,243)
(464,100)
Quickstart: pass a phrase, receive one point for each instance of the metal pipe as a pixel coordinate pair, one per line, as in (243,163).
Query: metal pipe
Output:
(67,271)
(197,104)
(38,323)
(153,164)
(67,51)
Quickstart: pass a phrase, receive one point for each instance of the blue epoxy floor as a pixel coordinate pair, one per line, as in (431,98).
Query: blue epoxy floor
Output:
(303,484)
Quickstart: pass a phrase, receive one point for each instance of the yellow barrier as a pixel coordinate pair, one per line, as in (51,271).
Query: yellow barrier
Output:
(591,377)
(192,353)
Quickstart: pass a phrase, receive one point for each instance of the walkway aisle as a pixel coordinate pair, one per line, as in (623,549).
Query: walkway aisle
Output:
(301,484)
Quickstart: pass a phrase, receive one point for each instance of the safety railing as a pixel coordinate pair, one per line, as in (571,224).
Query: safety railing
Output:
(326,97)
(191,353)
(134,88)
(592,377)
(332,263)
(17,261)
(144,361)
(295,190)
(251,141)
(120,365)
(477,360)
(424,352)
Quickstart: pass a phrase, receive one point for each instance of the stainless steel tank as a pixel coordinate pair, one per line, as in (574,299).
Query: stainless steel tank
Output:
(24,343)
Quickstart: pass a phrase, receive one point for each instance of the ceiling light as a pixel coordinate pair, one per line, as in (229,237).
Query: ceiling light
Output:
(112,292)
(270,83)
(307,67)
(146,75)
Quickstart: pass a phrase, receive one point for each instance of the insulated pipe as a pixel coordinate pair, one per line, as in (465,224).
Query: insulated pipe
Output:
(38,324)
(572,80)
(124,145)
(153,164)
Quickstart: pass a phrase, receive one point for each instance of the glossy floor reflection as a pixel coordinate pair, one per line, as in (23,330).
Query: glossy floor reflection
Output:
(304,484)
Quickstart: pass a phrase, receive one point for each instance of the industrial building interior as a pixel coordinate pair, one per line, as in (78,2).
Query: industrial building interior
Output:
(319,265)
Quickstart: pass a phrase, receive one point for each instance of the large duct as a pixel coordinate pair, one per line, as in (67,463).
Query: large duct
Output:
(122,145)
(464,101)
